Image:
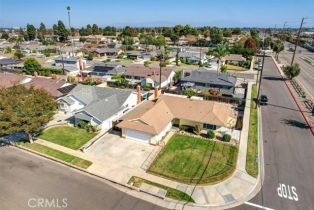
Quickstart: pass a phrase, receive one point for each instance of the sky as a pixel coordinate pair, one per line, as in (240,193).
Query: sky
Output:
(222,13)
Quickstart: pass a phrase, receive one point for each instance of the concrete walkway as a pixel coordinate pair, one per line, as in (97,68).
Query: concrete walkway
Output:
(233,191)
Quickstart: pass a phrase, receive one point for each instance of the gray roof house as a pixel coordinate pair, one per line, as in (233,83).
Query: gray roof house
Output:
(99,106)
(204,79)
(106,69)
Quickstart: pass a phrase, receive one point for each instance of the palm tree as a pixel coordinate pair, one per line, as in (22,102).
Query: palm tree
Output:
(220,51)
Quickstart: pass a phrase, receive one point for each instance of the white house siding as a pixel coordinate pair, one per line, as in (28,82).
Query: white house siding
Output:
(137,135)
(169,80)
(157,138)
(131,101)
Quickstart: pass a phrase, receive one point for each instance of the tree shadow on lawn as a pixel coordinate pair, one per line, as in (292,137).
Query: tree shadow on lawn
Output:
(295,123)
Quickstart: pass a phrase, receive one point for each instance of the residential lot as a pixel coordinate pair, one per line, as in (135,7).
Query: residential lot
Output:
(194,160)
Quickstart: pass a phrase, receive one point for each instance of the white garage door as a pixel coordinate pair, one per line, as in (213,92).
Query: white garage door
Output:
(137,135)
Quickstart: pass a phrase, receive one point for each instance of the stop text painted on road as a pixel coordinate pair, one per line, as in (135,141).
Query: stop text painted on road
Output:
(287,192)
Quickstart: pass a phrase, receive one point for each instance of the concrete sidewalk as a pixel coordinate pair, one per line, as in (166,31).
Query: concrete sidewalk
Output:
(231,192)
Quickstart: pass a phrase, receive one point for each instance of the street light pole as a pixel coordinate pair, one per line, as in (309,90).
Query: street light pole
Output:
(297,41)
(69,18)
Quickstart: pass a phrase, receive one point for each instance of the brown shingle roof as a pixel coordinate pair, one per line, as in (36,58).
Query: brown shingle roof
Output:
(148,72)
(8,79)
(50,85)
(153,116)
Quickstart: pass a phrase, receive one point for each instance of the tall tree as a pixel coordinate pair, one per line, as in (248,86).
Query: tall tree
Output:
(220,51)
(251,44)
(30,32)
(25,110)
(42,31)
(62,32)
(216,35)
(4,35)
(277,47)
(95,29)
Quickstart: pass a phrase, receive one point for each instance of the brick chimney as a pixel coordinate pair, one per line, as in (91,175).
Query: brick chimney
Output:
(155,92)
(139,94)
(35,74)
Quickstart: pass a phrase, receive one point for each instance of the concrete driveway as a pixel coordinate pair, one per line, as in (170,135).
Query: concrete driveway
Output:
(118,158)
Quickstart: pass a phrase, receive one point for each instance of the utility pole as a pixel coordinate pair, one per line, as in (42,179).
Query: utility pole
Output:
(297,41)
(263,48)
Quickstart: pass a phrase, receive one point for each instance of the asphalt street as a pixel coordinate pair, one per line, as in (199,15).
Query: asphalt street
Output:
(305,59)
(26,179)
(288,150)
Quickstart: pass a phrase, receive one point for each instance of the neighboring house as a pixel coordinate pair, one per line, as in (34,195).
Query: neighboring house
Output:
(204,79)
(100,106)
(150,121)
(192,57)
(134,55)
(10,63)
(56,87)
(72,65)
(234,59)
(105,69)
(107,52)
(148,76)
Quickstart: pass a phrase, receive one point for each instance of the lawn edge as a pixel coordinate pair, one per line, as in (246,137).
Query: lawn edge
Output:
(53,158)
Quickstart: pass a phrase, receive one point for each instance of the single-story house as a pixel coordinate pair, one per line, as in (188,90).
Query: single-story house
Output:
(150,121)
(108,52)
(11,63)
(105,69)
(149,76)
(204,79)
(233,59)
(99,106)
(192,57)
(133,54)
(56,87)
(72,65)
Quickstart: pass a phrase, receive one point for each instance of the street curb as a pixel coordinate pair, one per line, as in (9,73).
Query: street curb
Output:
(95,175)
(293,97)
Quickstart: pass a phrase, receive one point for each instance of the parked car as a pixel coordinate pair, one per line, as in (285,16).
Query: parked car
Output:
(263,100)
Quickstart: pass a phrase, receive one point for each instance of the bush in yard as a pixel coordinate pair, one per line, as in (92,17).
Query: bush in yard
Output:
(226,138)
(211,134)
(146,63)
(223,68)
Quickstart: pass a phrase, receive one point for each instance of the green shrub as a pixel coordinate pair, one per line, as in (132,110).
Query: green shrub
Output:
(211,134)
(223,68)
(226,138)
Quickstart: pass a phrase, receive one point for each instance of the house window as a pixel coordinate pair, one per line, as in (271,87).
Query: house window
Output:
(209,126)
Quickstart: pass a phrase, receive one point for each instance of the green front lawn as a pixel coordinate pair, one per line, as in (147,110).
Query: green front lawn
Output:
(171,192)
(252,147)
(79,162)
(235,68)
(194,160)
(70,137)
